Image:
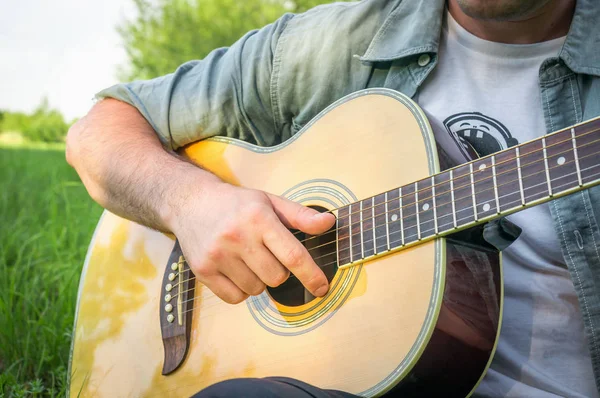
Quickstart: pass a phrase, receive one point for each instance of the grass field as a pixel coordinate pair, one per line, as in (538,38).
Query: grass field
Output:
(46,223)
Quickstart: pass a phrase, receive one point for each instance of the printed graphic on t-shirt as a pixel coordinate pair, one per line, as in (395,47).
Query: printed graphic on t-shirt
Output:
(485,134)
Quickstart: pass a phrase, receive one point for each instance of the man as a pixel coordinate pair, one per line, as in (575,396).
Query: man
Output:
(494,72)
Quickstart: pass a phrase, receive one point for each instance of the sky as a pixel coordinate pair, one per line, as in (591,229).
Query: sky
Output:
(66,50)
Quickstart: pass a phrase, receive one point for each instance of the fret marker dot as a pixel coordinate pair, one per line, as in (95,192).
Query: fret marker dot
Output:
(561,160)
(486,207)
(394,217)
(426,207)
(482,167)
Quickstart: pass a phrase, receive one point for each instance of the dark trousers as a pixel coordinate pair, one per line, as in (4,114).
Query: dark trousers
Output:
(270,387)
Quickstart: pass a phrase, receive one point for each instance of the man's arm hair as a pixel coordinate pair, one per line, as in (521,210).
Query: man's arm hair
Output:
(118,149)
(126,169)
(245,244)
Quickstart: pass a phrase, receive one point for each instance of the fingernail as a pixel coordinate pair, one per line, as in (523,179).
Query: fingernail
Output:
(320,292)
(321,216)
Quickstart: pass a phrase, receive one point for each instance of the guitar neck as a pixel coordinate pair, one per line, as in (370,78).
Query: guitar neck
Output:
(482,190)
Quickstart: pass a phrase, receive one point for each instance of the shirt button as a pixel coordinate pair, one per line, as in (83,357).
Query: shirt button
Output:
(424,60)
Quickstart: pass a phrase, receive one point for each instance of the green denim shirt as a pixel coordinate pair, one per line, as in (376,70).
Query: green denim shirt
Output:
(273,81)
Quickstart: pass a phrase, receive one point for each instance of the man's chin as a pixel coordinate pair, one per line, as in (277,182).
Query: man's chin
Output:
(501,10)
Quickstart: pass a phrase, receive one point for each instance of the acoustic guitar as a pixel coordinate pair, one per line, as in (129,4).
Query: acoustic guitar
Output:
(415,301)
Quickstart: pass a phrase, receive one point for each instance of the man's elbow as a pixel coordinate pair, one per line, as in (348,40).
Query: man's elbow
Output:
(81,159)
(72,149)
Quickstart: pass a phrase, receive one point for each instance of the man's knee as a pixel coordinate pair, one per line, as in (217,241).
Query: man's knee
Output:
(247,387)
(270,387)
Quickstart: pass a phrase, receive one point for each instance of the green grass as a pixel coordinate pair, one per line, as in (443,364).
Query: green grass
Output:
(46,222)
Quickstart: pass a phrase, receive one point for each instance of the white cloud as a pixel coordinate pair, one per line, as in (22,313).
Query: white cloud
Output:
(66,50)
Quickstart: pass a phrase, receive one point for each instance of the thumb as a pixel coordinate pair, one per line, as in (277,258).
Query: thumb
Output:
(296,216)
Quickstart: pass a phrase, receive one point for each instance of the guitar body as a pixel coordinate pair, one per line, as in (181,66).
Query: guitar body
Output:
(423,320)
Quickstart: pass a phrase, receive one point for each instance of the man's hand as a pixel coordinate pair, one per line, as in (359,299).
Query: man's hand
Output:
(236,241)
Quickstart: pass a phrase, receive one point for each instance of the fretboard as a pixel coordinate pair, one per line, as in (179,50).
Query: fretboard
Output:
(494,186)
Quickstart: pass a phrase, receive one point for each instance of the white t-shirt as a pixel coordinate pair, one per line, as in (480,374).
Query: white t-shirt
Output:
(488,93)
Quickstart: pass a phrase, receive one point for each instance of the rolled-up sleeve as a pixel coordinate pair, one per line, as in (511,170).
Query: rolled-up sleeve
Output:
(228,93)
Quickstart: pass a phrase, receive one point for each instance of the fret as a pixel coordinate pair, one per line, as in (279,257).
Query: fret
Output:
(444,214)
(343,235)
(486,193)
(546,166)
(435,222)
(362,240)
(367,232)
(382,240)
(357,252)
(575,156)
(588,148)
(520,177)
(417,210)
(534,175)
(473,190)
(410,221)
(373,225)
(463,195)
(393,217)
(495,184)
(400,202)
(452,199)
(424,207)
(350,231)
(508,180)
(561,161)
(387,227)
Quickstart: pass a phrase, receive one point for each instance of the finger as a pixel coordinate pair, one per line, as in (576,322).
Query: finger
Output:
(290,252)
(266,266)
(243,277)
(225,289)
(296,216)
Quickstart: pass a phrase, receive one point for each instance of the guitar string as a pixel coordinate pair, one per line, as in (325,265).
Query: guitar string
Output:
(411,206)
(465,175)
(407,237)
(358,245)
(464,218)
(216,299)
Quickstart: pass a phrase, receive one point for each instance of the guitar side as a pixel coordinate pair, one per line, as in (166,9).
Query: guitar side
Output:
(375,327)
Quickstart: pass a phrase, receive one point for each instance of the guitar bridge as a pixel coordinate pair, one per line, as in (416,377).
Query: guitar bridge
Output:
(176,305)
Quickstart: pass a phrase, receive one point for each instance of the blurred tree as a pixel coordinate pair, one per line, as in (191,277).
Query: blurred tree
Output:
(14,122)
(303,5)
(167,33)
(44,124)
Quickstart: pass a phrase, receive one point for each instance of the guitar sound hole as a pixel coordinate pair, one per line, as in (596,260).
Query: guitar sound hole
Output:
(322,248)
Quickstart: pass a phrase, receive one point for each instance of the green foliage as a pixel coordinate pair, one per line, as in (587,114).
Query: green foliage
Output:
(298,6)
(167,33)
(16,122)
(47,222)
(47,125)
(44,124)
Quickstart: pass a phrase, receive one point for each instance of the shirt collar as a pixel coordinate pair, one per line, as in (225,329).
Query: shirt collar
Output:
(414,27)
(580,51)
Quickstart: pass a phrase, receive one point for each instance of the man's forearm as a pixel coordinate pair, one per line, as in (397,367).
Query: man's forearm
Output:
(125,168)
